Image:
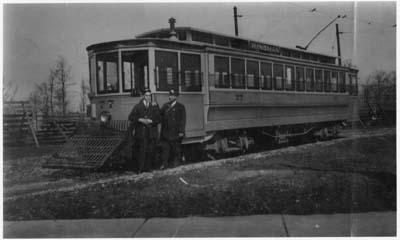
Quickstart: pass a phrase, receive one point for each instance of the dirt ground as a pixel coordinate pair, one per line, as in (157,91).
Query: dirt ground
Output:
(356,173)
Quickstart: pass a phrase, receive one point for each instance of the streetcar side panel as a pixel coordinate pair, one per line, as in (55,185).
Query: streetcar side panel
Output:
(241,109)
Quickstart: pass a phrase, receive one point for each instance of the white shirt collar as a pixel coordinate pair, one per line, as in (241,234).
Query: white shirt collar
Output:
(173,103)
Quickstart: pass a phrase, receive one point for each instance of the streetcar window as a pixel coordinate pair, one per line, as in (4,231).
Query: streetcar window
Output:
(305,56)
(314,58)
(191,72)
(202,37)
(289,83)
(92,70)
(356,85)
(342,82)
(296,54)
(266,75)
(318,80)
(278,76)
(166,71)
(100,77)
(334,82)
(309,79)
(252,75)
(134,71)
(221,66)
(285,53)
(349,85)
(181,35)
(327,81)
(299,78)
(324,59)
(107,73)
(239,43)
(353,85)
(238,73)
(221,41)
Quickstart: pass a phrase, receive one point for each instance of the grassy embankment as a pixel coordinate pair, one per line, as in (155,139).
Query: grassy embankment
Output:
(347,176)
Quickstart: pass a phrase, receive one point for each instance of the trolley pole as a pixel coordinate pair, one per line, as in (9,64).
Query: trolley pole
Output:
(235,16)
(338,45)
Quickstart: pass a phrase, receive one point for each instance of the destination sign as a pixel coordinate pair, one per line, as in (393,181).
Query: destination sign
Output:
(265,47)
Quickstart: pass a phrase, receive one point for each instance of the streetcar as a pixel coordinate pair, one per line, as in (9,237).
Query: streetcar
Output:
(234,89)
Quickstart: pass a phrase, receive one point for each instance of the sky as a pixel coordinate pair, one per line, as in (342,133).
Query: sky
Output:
(35,35)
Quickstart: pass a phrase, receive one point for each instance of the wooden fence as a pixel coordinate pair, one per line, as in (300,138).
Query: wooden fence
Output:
(17,123)
(22,126)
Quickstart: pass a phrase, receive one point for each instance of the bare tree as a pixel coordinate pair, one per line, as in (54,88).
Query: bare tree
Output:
(35,101)
(62,73)
(382,78)
(381,86)
(84,92)
(51,90)
(39,98)
(43,93)
(9,91)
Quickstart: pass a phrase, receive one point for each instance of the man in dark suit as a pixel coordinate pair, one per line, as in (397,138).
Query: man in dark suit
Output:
(173,122)
(144,119)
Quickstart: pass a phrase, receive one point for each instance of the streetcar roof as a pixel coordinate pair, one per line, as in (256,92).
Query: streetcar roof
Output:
(227,36)
(162,36)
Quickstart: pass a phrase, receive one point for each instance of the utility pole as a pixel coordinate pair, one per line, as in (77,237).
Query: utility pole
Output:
(235,16)
(338,44)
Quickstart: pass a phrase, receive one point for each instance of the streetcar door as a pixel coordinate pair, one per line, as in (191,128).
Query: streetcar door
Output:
(181,71)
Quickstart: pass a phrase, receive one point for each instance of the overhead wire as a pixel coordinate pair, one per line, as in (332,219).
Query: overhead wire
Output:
(308,12)
(347,18)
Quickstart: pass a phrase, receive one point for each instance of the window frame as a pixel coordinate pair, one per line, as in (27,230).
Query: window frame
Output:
(282,76)
(133,90)
(264,76)
(292,87)
(319,86)
(342,84)
(92,75)
(312,85)
(192,87)
(256,75)
(327,84)
(297,82)
(174,76)
(105,91)
(241,76)
(227,76)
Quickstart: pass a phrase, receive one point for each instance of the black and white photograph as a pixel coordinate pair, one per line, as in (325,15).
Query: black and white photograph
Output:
(199,119)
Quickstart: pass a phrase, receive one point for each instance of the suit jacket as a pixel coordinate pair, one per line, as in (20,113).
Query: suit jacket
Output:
(140,111)
(173,121)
